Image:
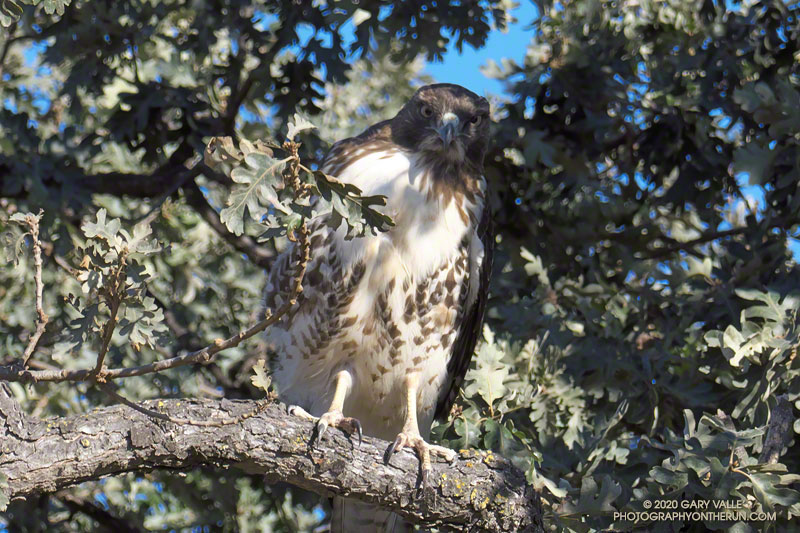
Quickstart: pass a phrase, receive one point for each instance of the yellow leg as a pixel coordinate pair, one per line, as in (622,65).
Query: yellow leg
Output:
(343,382)
(410,436)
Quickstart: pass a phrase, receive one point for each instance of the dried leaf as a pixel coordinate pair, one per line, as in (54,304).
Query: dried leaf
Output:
(260,379)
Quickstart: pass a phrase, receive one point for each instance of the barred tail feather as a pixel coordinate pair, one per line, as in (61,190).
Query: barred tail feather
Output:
(352,516)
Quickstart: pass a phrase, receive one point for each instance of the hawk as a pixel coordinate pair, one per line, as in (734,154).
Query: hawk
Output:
(384,329)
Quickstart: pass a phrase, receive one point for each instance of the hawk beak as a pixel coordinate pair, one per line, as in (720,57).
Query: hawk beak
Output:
(448,129)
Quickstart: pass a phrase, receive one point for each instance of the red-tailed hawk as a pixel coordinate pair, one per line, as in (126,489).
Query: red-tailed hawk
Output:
(385,327)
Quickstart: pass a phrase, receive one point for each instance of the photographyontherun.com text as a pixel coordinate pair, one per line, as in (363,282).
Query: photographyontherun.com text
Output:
(694,511)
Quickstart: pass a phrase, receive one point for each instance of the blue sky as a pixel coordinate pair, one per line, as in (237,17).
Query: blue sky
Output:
(464,68)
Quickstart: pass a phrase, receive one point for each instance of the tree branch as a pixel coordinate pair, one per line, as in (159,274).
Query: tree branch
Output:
(478,491)
(135,185)
(258,254)
(121,183)
(95,512)
(204,355)
(235,103)
(160,184)
(779,431)
(703,239)
(113,301)
(41,317)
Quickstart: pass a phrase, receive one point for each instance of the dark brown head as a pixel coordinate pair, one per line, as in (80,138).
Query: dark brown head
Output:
(446,122)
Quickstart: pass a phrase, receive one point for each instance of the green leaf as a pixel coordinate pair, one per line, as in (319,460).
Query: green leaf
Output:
(756,161)
(143,323)
(488,377)
(255,190)
(140,242)
(537,150)
(10,12)
(596,500)
(359,16)
(535,267)
(766,489)
(221,151)
(55,6)
(342,202)
(468,430)
(673,480)
(107,230)
(503,439)
(13,244)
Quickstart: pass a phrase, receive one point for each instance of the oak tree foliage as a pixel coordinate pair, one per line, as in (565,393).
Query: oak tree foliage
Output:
(642,329)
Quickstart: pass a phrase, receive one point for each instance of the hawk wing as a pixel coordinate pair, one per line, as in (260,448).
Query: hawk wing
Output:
(479,272)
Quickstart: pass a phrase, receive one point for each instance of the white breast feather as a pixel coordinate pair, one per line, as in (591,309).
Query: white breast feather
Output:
(420,225)
(425,239)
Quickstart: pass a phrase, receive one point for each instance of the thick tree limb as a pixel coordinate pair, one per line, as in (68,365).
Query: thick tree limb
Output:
(134,185)
(779,431)
(477,492)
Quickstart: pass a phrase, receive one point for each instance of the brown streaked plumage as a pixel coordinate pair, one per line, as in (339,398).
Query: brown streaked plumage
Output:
(386,325)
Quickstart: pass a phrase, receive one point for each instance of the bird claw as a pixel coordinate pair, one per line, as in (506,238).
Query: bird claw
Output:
(298,411)
(329,419)
(358,429)
(337,420)
(396,446)
(320,428)
(424,451)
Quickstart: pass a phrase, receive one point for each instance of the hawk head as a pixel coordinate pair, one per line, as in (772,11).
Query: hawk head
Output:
(445,122)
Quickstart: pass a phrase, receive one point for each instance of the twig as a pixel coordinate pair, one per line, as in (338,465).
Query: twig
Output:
(203,355)
(60,261)
(708,237)
(235,103)
(713,236)
(114,295)
(41,322)
(258,254)
(216,422)
(152,214)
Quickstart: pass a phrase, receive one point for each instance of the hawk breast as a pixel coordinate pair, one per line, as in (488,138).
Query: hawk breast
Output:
(390,304)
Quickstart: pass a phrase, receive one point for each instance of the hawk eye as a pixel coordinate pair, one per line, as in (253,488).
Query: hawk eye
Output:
(475,120)
(426,111)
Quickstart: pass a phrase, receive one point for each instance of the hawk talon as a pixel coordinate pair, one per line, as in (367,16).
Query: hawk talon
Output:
(391,449)
(298,411)
(334,418)
(319,432)
(360,433)
(424,451)
(422,482)
(426,133)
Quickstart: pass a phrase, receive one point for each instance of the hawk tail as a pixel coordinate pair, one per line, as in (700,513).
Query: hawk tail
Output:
(352,516)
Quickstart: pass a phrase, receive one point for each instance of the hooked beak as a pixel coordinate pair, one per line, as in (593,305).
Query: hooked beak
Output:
(448,129)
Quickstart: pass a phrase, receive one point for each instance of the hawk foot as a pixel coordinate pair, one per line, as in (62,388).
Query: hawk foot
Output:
(408,439)
(333,418)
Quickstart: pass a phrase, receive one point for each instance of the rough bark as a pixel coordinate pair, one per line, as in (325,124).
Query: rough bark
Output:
(477,492)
